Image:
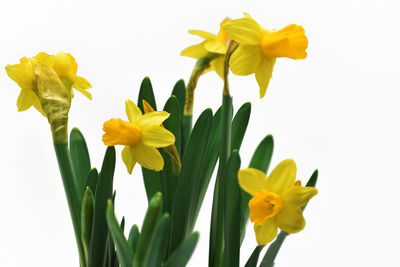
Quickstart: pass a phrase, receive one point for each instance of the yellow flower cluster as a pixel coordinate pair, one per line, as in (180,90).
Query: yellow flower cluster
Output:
(257,48)
(141,136)
(23,74)
(277,200)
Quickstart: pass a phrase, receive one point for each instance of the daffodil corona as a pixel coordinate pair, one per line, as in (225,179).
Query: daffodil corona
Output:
(64,66)
(259,48)
(141,136)
(214,46)
(277,200)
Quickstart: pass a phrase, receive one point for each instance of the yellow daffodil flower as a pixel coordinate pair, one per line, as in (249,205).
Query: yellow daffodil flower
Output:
(141,136)
(213,45)
(277,200)
(259,48)
(23,74)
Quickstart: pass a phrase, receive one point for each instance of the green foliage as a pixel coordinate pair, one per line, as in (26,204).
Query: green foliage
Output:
(80,161)
(124,251)
(104,191)
(183,252)
(189,179)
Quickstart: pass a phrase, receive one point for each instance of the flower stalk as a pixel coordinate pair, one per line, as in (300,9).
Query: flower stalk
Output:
(67,175)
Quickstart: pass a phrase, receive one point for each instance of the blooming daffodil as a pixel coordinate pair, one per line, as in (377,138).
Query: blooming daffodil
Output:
(213,45)
(277,200)
(23,74)
(141,136)
(259,48)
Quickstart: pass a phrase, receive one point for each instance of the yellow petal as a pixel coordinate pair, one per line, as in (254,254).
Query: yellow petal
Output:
(147,107)
(215,46)
(245,59)
(244,31)
(132,111)
(298,196)
(80,82)
(26,99)
(266,233)
(155,118)
(252,180)
(217,64)
(195,51)
(128,159)
(148,157)
(22,74)
(203,34)
(44,58)
(288,42)
(157,136)
(290,220)
(38,106)
(264,74)
(282,177)
(119,132)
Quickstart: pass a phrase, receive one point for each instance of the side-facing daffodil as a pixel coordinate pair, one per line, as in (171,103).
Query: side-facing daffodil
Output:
(277,200)
(23,74)
(259,48)
(214,45)
(141,136)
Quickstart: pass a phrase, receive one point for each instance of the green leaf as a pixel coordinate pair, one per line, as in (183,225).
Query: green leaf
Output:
(189,179)
(180,92)
(252,261)
(80,161)
(173,123)
(212,154)
(92,180)
(87,220)
(232,211)
(104,191)
(152,182)
(216,248)
(159,242)
(146,93)
(273,249)
(124,251)
(169,173)
(149,223)
(182,254)
(261,160)
(133,237)
(239,125)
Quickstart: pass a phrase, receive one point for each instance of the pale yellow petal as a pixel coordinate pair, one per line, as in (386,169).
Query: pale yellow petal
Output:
(282,177)
(217,64)
(203,34)
(195,51)
(244,31)
(266,233)
(22,74)
(264,74)
(155,118)
(298,196)
(128,159)
(44,59)
(214,46)
(290,220)
(252,180)
(157,136)
(148,157)
(245,59)
(80,82)
(132,111)
(26,99)
(38,106)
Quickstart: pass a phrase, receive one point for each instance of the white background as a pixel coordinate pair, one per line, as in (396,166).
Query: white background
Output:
(337,110)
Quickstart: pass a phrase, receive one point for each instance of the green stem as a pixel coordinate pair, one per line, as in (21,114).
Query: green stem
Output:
(201,65)
(67,175)
(217,222)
